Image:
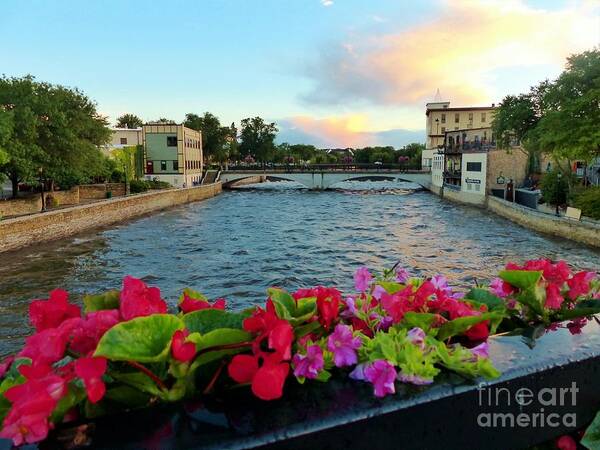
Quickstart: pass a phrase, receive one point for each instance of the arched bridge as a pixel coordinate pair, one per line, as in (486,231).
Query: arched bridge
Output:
(323,176)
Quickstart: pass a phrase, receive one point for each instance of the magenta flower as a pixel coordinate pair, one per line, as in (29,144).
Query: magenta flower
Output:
(343,345)
(417,337)
(350,310)
(378,292)
(482,350)
(440,283)
(309,365)
(382,375)
(402,275)
(362,278)
(500,288)
(359,372)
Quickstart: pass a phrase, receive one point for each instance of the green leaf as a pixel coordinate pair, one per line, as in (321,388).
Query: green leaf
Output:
(206,320)
(285,305)
(127,396)
(108,300)
(582,309)
(522,279)
(591,438)
(74,396)
(303,330)
(139,381)
(323,376)
(218,337)
(306,306)
(533,297)
(485,297)
(424,321)
(391,287)
(192,294)
(462,324)
(143,339)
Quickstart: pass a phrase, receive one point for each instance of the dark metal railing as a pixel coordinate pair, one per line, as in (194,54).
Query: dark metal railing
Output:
(319,168)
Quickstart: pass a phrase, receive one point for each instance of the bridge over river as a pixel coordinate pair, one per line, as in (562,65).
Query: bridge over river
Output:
(323,176)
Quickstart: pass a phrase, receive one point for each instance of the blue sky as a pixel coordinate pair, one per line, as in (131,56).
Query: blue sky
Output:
(337,72)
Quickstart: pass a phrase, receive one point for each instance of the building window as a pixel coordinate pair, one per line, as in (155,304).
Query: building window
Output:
(443,118)
(163,165)
(124,141)
(469,186)
(473,167)
(443,129)
(171,141)
(485,135)
(483,117)
(470,117)
(175,165)
(456,118)
(477,187)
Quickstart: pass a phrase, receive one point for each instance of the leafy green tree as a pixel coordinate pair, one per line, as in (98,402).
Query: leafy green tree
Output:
(555,188)
(163,121)
(56,131)
(213,134)
(570,126)
(129,121)
(258,139)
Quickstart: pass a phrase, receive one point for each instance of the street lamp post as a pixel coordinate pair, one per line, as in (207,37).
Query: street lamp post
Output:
(41,171)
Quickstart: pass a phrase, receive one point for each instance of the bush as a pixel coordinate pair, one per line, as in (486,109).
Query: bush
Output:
(589,202)
(155,184)
(137,186)
(555,188)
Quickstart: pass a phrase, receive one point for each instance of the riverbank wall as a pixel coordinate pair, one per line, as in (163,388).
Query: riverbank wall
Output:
(584,232)
(245,181)
(23,231)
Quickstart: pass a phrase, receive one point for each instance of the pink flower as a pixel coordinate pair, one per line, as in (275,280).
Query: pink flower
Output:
(190,304)
(27,420)
(378,292)
(182,351)
(417,337)
(500,288)
(382,375)
(482,350)
(553,297)
(413,379)
(90,370)
(440,283)
(402,275)
(51,313)
(86,333)
(47,346)
(343,345)
(579,284)
(576,325)
(362,278)
(309,365)
(138,300)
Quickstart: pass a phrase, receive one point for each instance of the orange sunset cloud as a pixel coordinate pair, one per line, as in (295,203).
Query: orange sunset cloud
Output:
(457,51)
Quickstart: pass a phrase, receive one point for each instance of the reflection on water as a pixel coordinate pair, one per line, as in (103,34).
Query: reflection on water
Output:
(238,244)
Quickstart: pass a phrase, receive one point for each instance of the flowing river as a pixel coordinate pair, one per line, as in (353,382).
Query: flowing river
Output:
(241,242)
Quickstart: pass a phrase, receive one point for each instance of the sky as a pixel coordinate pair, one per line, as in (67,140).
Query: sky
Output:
(333,73)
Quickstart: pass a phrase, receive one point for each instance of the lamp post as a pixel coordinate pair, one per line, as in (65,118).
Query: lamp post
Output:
(41,171)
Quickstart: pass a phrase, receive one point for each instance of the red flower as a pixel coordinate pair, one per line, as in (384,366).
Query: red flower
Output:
(86,333)
(396,305)
(5,365)
(181,350)
(138,300)
(580,284)
(27,420)
(267,380)
(477,332)
(328,302)
(47,346)
(566,442)
(278,332)
(190,304)
(90,370)
(51,313)
(553,297)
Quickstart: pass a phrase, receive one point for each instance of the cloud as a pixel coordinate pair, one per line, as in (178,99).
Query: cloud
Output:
(345,131)
(326,2)
(458,52)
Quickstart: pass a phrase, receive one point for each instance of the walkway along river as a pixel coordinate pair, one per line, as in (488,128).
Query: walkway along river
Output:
(241,242)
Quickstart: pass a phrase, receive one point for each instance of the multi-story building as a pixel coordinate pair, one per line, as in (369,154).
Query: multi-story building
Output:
(123,137)
(172,153)
(440,118)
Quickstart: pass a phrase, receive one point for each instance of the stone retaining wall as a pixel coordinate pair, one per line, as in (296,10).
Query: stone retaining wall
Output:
(586,233)
(23,231)
(245,181)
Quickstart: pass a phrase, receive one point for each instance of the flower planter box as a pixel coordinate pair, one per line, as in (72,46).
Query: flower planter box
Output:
(344,414)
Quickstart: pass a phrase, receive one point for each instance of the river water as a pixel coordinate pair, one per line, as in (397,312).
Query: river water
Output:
(241,242)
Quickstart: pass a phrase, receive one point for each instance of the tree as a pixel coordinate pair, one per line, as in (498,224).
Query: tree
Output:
(569,128)
(129,121)
(213,134)
(163,121)
(258,139)
(55,132)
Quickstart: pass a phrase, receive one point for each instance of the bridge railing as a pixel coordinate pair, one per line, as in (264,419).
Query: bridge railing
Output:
(319,168)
